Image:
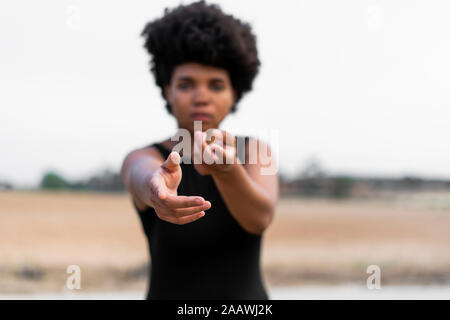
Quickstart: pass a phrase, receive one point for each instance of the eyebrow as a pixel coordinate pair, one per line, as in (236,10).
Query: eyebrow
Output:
(187,78)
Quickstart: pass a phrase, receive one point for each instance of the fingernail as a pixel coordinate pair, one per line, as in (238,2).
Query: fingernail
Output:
(206,205)
(198,201)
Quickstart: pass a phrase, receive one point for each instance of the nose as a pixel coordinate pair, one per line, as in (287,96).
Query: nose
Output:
(201,96)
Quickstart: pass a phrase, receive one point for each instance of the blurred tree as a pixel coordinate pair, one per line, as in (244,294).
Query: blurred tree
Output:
(52,180)
(342,187)
(312,179)
(412,183)
(5,185)
(108,180)
(312,170)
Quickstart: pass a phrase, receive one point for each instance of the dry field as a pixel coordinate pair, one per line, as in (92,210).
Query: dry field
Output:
(309,241)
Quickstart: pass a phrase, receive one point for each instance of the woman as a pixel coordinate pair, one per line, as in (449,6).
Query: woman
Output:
(204,220)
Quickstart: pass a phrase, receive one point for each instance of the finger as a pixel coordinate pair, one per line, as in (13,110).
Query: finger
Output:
(226,155)
(184,220)
(218,152)
(198,140)
(223,137)
(202,150)
(172,162)
(217,135)
(189,211)
(173,202)
(230,140)
(208,156)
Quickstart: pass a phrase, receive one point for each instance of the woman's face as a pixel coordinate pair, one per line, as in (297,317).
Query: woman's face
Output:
(199,92)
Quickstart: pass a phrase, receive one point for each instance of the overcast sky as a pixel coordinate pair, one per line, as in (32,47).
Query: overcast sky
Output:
(363,86)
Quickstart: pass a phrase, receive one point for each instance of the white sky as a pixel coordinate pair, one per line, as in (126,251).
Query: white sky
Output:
(361,85)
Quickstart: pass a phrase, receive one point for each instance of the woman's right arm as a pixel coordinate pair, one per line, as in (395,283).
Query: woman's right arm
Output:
(136,170)
(153,182)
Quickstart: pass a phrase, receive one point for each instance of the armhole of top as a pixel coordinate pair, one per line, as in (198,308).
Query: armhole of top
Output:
(162,150)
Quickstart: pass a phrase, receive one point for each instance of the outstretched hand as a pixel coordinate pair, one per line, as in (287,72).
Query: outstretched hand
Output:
(168,205)
(217,156)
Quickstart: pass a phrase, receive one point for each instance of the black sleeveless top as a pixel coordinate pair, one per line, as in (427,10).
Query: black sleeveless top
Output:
(210,258)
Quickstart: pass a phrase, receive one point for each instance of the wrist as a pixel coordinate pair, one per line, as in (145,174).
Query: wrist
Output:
(229,172)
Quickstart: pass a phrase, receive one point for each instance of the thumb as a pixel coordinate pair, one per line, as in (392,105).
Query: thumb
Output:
(172,162)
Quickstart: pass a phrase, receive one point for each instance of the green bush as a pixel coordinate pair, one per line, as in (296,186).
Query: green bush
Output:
(342,187)
(52,180)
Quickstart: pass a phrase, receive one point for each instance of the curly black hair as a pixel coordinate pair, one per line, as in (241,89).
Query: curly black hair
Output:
(202,33)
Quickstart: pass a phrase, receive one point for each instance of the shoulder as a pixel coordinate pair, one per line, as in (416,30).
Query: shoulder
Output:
(144,152)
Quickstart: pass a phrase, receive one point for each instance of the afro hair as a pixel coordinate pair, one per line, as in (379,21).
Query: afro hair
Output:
(202,33)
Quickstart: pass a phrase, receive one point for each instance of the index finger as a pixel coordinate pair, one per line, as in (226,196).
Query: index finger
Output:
(173,202)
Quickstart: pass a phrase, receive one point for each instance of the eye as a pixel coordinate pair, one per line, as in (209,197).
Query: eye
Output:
(217,86)
(184,85)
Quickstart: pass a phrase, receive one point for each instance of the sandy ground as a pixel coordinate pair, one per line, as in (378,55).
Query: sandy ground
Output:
(309,242)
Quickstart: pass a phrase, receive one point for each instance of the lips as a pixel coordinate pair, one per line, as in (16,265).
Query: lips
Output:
(199,116)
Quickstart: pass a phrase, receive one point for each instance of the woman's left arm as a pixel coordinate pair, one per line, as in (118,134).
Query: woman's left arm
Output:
(249,192)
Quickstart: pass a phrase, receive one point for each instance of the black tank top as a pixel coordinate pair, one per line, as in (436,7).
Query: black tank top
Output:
(210,258)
